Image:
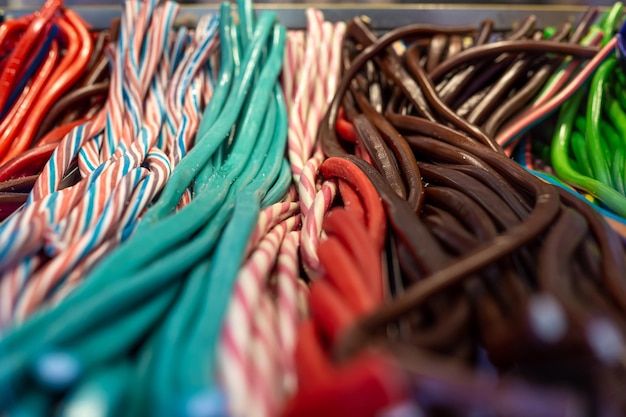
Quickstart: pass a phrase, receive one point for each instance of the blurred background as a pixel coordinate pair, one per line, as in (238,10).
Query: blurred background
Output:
(34,3)
(384,14)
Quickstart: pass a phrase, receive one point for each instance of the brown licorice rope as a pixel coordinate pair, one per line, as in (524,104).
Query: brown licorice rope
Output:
(478,246)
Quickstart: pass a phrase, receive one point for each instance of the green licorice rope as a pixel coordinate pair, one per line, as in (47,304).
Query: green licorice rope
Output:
(598,151)
(579,149)
(609,142)
(617,170)
(617,116)
(610,137)
(620,91)
(562,165)
(599,164)
(610,22)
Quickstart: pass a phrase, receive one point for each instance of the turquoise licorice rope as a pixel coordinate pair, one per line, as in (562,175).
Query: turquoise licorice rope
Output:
(229,68)
(222,151)
(199,349)
(36,403)
(209,140)
(226,262)
(198,360)
(175,336)
(102,394)
(150,278)
(159,232)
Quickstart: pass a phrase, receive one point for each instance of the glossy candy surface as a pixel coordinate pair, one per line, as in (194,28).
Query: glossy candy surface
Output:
(231,218)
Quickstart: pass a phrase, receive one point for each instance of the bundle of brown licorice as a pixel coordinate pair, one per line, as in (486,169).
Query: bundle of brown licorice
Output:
(484,257)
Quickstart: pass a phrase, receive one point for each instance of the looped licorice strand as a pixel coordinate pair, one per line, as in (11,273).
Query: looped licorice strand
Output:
(519,99)
(502,188)
(527,26)
(471,214)
(546,208)
(380,153)
(326,133)
(453,138)
(449,311)
(454,204)
(408,227)
(450,87)
(394,101)
(508,46)
(374,216)
(583,26)
(612,251)
(436,48)
(426,147)
(501,88)
(502,165)
(449,334)
(401,150)
(528,91)
(483,195)
(454,46)
(556,258)
(458,82)
(392,67)
(562,32)
(472,93)
(442,152)
(530,88)
(456,237)
(442,109)
(353,235)
(484,33)
(394,282)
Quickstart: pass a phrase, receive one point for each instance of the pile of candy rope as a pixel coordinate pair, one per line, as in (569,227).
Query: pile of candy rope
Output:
(229,218)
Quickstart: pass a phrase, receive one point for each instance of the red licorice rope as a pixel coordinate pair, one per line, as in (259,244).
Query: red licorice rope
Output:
(351,287)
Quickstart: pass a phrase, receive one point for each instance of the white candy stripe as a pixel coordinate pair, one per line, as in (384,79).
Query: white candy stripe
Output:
(286,276)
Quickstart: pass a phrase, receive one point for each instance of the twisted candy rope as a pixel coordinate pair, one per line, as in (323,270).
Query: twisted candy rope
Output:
(256,370)
(118,188)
